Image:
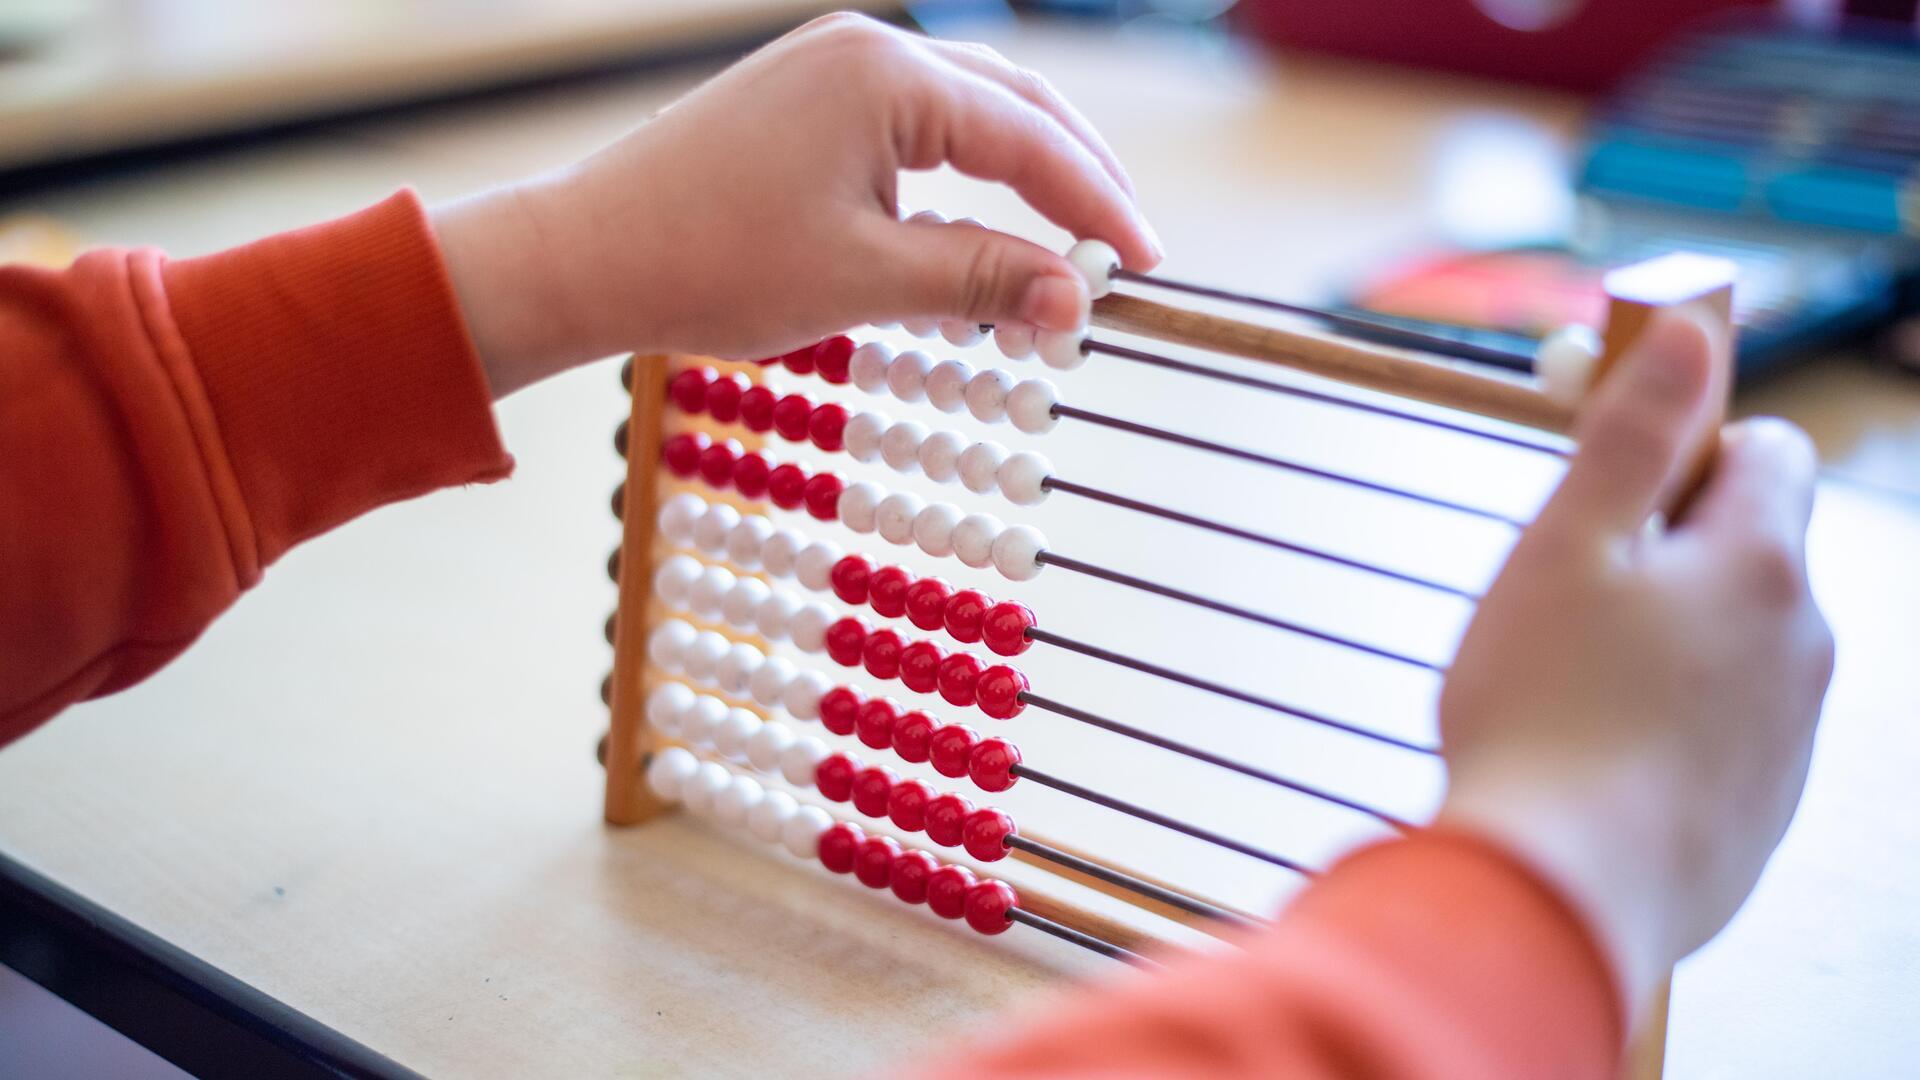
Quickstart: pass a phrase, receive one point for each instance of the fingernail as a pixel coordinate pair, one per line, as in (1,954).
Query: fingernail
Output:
(1675,367)
(1153,240)
(1054,303)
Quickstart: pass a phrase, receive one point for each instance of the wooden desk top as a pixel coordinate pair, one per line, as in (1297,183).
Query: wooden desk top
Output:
(370,789)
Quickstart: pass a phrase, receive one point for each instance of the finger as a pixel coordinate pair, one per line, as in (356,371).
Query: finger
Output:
(957,271)
(987,132)
(1761,487)
(1637,429)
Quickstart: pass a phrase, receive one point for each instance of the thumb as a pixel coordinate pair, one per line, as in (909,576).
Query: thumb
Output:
(965,271)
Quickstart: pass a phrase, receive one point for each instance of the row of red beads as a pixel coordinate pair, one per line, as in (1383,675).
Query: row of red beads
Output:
(727,398)
(828,359)
(953,749)
(952,892)
(931,604)
(924,668)
(725,464)
(949,820)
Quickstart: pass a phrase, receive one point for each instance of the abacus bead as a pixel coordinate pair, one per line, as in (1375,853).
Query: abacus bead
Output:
(960,678)
(834,776)
(712,586)
(668,644)
(780,554)
(859,503)
(909,876)
(998,692)
(756,408)
(669,771)
(748,537)
(1564,362)
(769,683)
(979,466)
(920,667)
(731,734)
(946,818)
(887,590)
(667,702)
(705,652)
(698,793)
(933,528)
(950,748)
(987,905)
(791,415)
(990,766)
(723,397)
(787,486)
(861,435)
(716,463)
(1096,260)
(1030,406)
(822,495)
(1014,340)
(973,539)
(732,805)
(827,426)
(946,385)
(849,578)
(678,514)
(960,333)
(711,528)
(742,605)
(776,614)
(767,821)
(867,367)
(698,724)
(799,361)
(911,734)
(926,602)
(1061,350)
(907,804)
(1022,478)
(808,627)
(964,614)
(689,389)
(840,709)
(813,567)
(750,475)
(675,578)
(873,861)
(907,375)
(832,357)
(900,446)
(734,672)
(681,453)
(765,746)
(872,786)
(801,833)
(985,834)
(799,761)
(837,846)
(1004,628)
(882,653)
(987,395)
(1016,553)
(874,721)
(845,639)
(802,698)
(940,455)
(893,518)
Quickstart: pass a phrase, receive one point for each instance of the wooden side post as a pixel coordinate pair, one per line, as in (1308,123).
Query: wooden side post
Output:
(629,739)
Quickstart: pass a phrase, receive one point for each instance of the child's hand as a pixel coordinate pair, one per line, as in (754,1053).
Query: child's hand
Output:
(758,212)
(1630,712)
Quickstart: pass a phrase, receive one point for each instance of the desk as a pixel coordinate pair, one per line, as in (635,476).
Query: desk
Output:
(369,791)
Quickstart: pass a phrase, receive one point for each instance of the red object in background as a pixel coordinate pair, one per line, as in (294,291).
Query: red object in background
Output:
(1587,48)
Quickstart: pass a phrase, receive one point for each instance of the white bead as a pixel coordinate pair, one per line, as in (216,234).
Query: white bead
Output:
(900,446)
(731,806)
(1565,360)
(1062,350)
(802,699)
(746,539)
(947,385)
(894,518)
(808,627)
(669,771)
(734,672)
(933,528)
(770,682)
(730,735)
(1023,478)
(907,375)
(987,395)
(862,434)
(1030,406)
(1096,260)
(1014,340)
(704,654)
(780,550)
(973,539)
(678,514)
(710,531)
(961,332)
(1015,553)
(706,784)
(698,724)
(814,568)
(776,611)
(858,503)
(766,744)
(921,326)
(675,578)
(801,834)
(669,642)
(767,821)
(940,455)
(979,465)
(707,593)
(666,703)
(867,367)
(742,605)
(798,761)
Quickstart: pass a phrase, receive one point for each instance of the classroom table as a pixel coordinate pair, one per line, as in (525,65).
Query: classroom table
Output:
(369,790)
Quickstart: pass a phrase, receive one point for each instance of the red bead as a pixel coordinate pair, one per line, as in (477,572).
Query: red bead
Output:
(822,495)
(985,834)
(947,890)
(873,861)
(946,818)
(750,475)
(840,709)
(834,776)
(991,763)
(689,389)
(872,787)
(907,804)
(1004,628)
(875,723)
(756,408)
(787,486)
(911,733)
(849,578)
(960,678)
(927,603)
(799,361)
(910,874)
(920,666)
(830,358)
(827,426)
(987,905)
(950,747)
(882,654)
(723,397)
(790,415)
(838,842)
(682,453)
(964,611)
(998,692)
(846,641)
(887,591)
(716,463)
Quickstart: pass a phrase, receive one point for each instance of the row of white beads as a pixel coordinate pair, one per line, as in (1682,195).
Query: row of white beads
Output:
(746,603)
(737,667)
(703,720)
(737,800)
(983,466)
(992,395)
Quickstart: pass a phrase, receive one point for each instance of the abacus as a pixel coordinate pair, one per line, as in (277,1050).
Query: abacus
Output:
(791,661)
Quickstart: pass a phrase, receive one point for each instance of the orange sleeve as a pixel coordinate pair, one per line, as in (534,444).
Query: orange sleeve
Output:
(168,429)
(1434,957)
